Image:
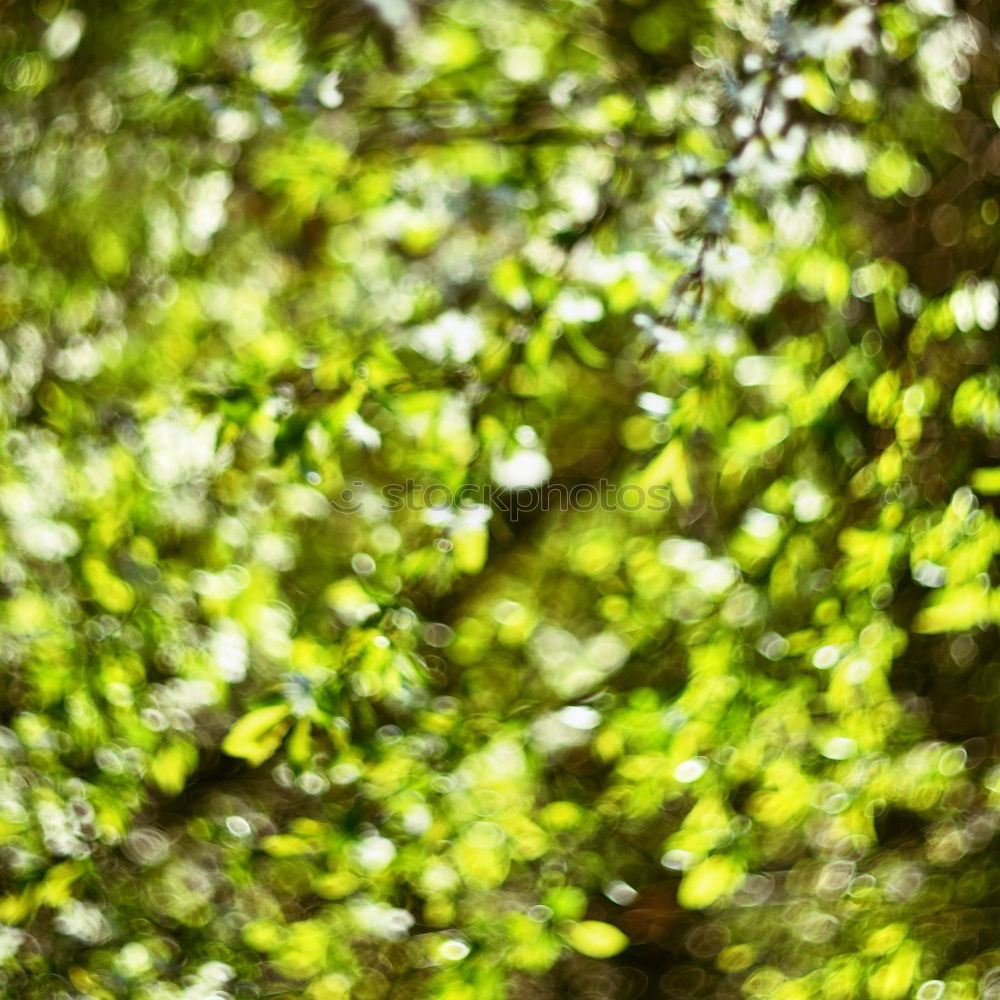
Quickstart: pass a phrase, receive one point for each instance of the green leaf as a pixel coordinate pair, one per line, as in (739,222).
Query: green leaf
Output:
(986,481)
(172,764)
(709,881)
(299,746)
(596,939)
(257,735)
(893,979)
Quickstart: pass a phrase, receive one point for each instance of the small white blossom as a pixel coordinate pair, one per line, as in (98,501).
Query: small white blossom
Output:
(375,853)
(525,468)
(10,940)
(363,433)
(84,922)
(381,920)
(453,336)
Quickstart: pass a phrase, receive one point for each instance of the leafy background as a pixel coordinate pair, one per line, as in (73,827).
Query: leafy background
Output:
(739,744)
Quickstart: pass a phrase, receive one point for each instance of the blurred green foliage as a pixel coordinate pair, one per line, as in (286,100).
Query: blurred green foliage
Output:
(266,734)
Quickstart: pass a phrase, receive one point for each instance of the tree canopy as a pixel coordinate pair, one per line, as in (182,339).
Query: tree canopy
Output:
(497,500)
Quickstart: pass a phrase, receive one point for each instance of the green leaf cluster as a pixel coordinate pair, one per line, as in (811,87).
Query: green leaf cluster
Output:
(498,500)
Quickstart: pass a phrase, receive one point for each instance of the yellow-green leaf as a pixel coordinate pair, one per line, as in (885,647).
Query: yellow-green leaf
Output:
(257,735)
(709,881)
(299,746)
(986,481)
(893,980)
(171,766)
(596,939)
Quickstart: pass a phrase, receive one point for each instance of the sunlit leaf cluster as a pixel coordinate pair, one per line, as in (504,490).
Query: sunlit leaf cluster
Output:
(498,500)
